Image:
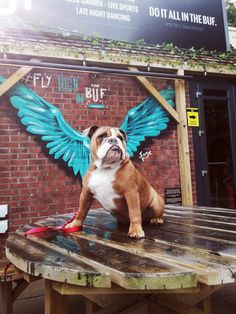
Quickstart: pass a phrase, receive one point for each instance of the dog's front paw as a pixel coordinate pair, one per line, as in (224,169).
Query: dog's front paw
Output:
(156,221)
(136,231)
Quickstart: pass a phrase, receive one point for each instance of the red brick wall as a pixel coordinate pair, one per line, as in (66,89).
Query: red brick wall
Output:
(34,185)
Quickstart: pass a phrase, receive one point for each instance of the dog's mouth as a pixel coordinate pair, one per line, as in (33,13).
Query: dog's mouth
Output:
(114,153)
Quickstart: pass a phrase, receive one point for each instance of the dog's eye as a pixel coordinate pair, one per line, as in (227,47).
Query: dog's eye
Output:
(101,137)
(120,138)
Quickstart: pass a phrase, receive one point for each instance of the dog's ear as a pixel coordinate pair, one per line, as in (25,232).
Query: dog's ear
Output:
(124,134)
(90,131)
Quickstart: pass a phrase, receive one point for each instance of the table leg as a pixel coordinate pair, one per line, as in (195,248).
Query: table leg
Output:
(207,305)
(89,306)
(6,297)
(49,298)
(61,303)
(54,303)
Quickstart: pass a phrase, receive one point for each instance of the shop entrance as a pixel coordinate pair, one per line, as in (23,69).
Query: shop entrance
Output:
(214,145)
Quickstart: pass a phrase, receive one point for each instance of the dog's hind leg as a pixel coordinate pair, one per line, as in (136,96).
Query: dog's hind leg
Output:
(157,209)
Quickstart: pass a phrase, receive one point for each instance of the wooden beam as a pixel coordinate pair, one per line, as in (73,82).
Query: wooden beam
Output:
(176,306)
(14,78)
(183,144)
(21,285)
(155,94)
(6,297)
(68,289)
(195,298)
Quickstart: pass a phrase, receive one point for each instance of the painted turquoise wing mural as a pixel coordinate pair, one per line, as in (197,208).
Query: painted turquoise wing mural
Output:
(41,118)
(146,120)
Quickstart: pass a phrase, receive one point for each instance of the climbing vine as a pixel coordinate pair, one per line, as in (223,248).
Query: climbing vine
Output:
(116,51)
(167,53)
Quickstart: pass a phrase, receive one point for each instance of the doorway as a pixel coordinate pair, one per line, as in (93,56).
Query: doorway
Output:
(214,148)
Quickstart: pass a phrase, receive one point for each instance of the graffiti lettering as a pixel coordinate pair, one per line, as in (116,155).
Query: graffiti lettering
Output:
(94,92)
(79,99)
(145,155)
(41,79)
(68,84)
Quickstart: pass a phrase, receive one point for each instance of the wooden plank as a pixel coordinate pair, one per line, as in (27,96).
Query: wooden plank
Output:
(223,226)
(176,237)
(225,236)
(221,222)
(154,93)
(50,264)
(14,78)
(203,216)
(126,269)
(210,269)
(152,232)
(171,232)
(199,209)
(221,219)
(68,289)
(183,143)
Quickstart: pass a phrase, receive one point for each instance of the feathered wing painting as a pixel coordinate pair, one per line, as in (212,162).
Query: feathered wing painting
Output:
(41,118)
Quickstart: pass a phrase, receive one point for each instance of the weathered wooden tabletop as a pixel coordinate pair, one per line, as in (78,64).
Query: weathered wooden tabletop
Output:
(194,245)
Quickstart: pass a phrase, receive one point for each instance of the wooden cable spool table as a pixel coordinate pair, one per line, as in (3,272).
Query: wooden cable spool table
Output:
(178,265)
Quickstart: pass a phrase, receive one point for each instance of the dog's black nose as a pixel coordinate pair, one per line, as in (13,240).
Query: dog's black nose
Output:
(112,140)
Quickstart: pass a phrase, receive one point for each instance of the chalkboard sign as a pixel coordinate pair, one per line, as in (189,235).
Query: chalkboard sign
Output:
(185,23)
(173,196)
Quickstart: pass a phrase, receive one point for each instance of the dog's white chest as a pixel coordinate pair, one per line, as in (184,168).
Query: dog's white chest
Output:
(100,184)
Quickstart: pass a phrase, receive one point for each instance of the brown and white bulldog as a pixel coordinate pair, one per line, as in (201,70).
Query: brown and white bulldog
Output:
(113,180)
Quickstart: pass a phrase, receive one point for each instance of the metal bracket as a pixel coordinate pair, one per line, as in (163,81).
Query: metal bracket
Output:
(204,173)
(198,94)
(201,132)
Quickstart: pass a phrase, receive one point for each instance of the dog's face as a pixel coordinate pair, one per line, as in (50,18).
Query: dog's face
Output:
(107,145)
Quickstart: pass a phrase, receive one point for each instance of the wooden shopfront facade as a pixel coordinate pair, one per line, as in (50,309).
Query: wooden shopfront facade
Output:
(196,163)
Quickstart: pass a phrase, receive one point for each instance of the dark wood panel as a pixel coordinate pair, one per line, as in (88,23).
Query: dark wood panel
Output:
(126,269)
(33,258)
(107,221)
(210,268)
(196,222)
(199,209)
(169,232)
(204,216)
(192,241)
